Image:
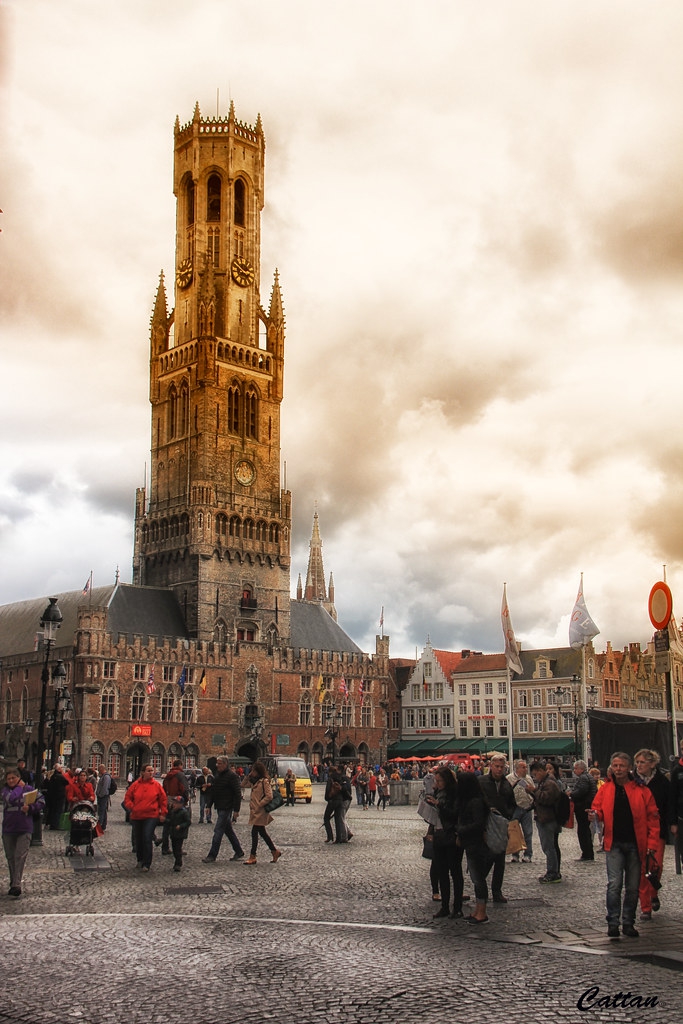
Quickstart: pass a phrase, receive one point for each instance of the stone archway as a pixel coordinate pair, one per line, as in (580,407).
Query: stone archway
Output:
(137,754)
(252,750)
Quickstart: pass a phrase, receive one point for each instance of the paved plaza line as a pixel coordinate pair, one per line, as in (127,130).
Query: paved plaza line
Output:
(227,917)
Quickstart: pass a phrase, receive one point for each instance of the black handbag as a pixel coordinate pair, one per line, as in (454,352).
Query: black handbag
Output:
(277,800)
(428,846)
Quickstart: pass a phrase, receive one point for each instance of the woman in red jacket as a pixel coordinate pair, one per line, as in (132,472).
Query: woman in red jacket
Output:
(79,789)
(146,801)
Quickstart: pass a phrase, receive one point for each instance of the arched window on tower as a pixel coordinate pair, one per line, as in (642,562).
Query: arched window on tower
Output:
(187,706)
(184,410)
(213,198)
(137,708)
(108,702)
(240,204)
(172,412)
(213,246)
(167,705)
(251,414)
(234,409)
(305,709)
(189,201)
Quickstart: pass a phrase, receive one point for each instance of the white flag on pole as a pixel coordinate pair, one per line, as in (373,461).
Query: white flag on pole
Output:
(581,626)
(511,650)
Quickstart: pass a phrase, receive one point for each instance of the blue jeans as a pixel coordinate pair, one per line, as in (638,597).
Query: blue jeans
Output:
(102,809)
(203,807)
(623,869)
(547,833)
(143,833)
(223,827)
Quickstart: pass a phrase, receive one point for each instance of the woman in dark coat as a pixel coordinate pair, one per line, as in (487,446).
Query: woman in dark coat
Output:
(447,855)
(472,815)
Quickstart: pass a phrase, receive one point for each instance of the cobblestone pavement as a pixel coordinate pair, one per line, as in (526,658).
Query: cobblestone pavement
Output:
(328,934)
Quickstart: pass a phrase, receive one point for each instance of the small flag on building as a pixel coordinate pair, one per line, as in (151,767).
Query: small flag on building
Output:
(88,585)
(202,682)
(361,691)
(581,626)
(321,689)
(343,688)
(150,682)
(182,680)
(381,620)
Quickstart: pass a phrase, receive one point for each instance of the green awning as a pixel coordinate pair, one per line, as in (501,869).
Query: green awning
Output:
(404,748)
(554,745)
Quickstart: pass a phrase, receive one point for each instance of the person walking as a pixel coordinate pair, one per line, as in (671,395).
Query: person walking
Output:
(204,783)
(631,819)
(648,774)
(147,802)
(21,805)
(583,794)
(498,794)
(175,784)
(259,817)
(224,794)
(179,820)
(523,788)
(382,790)
(102,795)
(546,797)
(334,796)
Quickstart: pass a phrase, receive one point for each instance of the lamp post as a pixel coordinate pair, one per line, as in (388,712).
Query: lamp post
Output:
(50,621)
(333,717)
(578,715)
(63,709)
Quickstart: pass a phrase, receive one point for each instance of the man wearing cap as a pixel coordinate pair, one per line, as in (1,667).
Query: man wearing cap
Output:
(498,794)
(523,788)
(225,795)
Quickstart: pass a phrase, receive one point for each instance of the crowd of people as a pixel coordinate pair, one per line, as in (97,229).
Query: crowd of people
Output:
(628,814)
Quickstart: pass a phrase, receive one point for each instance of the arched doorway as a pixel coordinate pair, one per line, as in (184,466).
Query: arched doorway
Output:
(348,752)
(252,750)
(302,751)
(317,753)
(137,754)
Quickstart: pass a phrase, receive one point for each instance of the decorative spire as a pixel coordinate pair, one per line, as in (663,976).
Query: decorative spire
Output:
(276,312)
(231,112)
(315,577)
(160,313)
(196,116)
(299,589)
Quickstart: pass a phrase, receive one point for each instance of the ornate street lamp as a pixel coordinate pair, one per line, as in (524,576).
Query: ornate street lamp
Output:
(334,719)
(50,621)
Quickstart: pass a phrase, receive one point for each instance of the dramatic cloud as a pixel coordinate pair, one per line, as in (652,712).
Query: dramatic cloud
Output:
(475,213)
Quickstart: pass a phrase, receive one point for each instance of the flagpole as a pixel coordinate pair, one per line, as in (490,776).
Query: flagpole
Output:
(511,752)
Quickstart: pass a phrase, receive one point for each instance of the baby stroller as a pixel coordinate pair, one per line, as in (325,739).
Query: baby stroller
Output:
(83,819)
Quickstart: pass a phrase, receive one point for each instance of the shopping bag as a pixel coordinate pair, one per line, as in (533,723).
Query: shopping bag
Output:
(515,837)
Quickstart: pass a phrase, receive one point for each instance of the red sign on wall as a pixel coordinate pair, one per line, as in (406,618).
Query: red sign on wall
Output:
(141,730)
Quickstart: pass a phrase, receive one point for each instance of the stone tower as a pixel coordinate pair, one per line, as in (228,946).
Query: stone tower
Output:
(214,523)
(315,575)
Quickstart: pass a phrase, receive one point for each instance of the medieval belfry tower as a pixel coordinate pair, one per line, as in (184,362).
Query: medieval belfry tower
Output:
(214,524)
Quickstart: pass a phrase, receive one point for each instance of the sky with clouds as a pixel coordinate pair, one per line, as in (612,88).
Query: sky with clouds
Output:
(475,209)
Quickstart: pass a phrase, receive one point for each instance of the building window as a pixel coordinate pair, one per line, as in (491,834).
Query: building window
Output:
(543,670)
(476,728)
(167,702)
(445,718)
(502,726)
(428,669)
(415,691)
(462,689)
(502,688)
(305,682)
(108,669)
(567,723)
(433,718)
(428,691)
(488,706)
(475,689)
(234,409)
(410,718)
(552,721)
(213,245)
(522,723)
(213,198)
(537,723)
(108,702)
(536,698)
(169,673)
(438,691)
(502,706)
(251,414)
(462,707)
(305,711)
(366,716)
(490,728)
(421,718)
(187,706)
(239,193)
(347,714)
(395,720)
(476,707)
(140,672)
(488,688)
(522,699)
(137,709)
(462,727)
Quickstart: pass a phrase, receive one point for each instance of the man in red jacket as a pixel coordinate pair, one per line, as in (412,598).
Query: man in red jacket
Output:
(631,821)
(146,801)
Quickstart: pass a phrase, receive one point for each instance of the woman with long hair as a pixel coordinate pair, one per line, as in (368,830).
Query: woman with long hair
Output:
(472,816)
(259,817)
(447,855)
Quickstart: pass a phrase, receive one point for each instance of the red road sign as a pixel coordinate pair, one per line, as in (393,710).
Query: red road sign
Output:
(660,605)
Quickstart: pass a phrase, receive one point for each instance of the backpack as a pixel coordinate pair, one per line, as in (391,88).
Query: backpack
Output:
(112,786)
(564,808)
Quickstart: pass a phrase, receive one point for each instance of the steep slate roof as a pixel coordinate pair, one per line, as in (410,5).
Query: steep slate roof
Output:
(146,610)
(481,663)
(313,628)
(564,661)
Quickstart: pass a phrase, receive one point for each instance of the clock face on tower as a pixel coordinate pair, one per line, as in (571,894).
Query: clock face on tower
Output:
(242,271)
(245,472)
(184,274)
